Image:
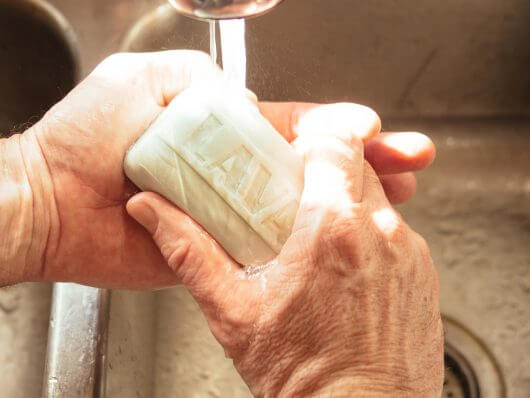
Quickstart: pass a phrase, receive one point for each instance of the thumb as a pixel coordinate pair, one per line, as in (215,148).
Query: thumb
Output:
(195,257)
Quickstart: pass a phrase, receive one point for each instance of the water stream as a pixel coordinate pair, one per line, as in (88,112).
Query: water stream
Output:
(233,49)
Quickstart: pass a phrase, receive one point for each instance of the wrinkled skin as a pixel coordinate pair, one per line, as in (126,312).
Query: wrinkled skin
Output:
(83,139)
(350,306)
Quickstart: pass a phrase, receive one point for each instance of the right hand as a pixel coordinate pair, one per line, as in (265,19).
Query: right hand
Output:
(349,307)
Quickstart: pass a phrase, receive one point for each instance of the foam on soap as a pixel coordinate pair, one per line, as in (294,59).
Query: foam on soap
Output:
(216,157)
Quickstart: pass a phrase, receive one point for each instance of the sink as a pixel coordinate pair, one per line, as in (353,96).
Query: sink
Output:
(473,207)
(455,71)
(33,34)
(39,64)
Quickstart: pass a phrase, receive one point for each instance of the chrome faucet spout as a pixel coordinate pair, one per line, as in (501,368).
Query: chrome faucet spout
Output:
(223,9)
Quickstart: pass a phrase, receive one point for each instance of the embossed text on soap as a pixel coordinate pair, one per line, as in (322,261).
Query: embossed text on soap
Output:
(220,153)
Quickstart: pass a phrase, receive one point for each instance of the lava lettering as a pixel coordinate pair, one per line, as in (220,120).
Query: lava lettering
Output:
(218,148)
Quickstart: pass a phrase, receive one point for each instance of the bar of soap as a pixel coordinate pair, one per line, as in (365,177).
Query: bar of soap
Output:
(218,159)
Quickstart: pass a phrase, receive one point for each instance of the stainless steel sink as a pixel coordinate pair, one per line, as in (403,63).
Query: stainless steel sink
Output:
(473,207)
(457,71)
(33,34)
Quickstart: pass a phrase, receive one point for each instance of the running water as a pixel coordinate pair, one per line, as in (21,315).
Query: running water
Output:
(233,50)
(213,40)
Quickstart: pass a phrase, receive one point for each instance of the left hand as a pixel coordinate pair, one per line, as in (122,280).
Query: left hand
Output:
(83,139)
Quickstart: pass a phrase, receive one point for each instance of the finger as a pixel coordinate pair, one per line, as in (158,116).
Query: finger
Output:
(197,260)
(285,116)
(388,153)
(399,187)
(384,218)
(341,120)
(392,153)
(330,137)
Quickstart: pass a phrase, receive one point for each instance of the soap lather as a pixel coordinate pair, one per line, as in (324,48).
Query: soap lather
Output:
(214,155)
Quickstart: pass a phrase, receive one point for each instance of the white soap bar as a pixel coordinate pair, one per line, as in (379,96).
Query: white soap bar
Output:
(218,159)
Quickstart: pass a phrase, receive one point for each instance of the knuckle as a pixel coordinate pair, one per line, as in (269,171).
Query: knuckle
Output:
(197,63)
(343,237)
(401,233)
(369,113)
(196,66)
(423,267)
(434,280)
(390,225)
(342,234)
(177,254)
(198,56)
(422,247)
(363,121)
(370,175)
(113,60)
(369,118)
(121,67)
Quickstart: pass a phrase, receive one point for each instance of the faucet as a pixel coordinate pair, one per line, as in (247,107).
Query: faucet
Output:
(223,9)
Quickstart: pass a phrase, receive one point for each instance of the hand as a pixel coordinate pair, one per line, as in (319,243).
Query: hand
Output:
(83,139)
(394,156)
(349,307)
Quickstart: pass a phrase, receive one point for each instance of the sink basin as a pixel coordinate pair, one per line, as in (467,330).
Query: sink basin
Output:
(473,207)
(454,71)
(38,62)
(38,65)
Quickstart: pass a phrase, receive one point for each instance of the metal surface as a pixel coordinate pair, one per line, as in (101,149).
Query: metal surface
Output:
(223,9)
(77,342)
(471,369)
(460,380)
(147,32)
(445,60)
(33,33)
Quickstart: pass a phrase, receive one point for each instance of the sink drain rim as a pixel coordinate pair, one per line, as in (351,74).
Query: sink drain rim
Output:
(485,367)
(462,371)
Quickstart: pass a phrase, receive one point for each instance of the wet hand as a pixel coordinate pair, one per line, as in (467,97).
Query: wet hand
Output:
(350,305)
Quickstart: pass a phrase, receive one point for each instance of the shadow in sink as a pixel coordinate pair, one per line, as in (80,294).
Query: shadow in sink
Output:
(38,62)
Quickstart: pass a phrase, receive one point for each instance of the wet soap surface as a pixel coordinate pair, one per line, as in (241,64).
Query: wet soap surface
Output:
(216,157)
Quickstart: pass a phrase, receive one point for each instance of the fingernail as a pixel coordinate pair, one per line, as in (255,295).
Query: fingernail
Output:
(143,214)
